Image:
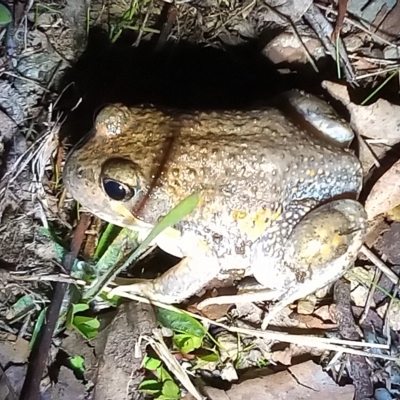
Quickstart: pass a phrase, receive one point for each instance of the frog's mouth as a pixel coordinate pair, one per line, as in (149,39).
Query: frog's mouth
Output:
(128,218)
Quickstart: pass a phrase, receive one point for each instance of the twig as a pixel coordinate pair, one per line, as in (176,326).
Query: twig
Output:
(310,341)
(370,297)
(324,30)
(381,72)
(143,25)
(358,25)
(167,26)
(380,264)
(342,8)
(159,346)
(39,354)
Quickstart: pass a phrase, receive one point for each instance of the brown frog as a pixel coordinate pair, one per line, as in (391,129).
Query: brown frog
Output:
(277,197)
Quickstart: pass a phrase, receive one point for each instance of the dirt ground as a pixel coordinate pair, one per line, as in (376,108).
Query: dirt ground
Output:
(60,62)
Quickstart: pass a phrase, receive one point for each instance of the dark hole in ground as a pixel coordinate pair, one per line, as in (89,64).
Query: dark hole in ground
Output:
(181,75)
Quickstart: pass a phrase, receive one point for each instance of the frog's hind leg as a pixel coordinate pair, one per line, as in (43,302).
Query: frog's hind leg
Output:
(179,283)
(320,249)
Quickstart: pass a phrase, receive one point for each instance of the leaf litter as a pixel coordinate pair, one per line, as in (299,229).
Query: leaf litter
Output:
(228,22)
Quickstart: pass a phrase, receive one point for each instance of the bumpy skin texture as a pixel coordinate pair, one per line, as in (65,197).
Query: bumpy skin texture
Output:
(258,173)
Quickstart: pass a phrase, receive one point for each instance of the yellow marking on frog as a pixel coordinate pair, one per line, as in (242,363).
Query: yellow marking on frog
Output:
(315,251)
(171,232)
(237,215)
(338,240)
(254,225)
(310,172)
(322,248)
(277,214)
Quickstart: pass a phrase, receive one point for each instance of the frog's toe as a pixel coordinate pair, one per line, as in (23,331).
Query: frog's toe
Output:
(152,290)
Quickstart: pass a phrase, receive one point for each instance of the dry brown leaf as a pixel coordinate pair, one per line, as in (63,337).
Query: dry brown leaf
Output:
(302,381)
(379,121)
(312,322)
(385,195)
(375,230)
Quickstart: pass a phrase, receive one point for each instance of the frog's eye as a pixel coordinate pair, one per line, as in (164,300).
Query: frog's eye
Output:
(119,179)
(117,190)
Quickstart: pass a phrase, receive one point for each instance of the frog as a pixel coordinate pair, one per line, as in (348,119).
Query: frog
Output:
(277,189)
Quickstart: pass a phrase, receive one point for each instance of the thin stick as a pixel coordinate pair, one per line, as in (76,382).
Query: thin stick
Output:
(380,264)
(319,342)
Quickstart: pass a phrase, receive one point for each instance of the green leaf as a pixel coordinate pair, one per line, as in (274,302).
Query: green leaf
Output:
(151,363)
(163,397)
(170,390)
(210,357)
(161,388)
(73,309)
(112,301)
(77,363)
(88,321)
(187,343)
(87,326)
(151,387)
(21,308)
(106,238)
(76,308)
(109,264)
(38,326)
(126,240)
(184,208)
(163,374)
(5,15)
(180,322)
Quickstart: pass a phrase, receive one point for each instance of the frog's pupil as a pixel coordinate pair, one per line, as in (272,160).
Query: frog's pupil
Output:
(115,190)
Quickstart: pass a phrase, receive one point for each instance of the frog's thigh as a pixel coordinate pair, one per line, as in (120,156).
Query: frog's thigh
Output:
(266,260)
(177,284)
(321,248)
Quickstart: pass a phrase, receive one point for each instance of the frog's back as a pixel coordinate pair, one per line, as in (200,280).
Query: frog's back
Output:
(243,161)
(256,157)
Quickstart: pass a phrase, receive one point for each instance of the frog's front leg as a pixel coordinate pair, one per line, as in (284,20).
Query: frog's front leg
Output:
(176,285)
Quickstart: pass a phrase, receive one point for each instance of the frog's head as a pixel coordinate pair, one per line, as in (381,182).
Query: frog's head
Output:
(101,171)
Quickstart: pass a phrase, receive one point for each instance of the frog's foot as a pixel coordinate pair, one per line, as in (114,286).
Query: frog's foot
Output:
(246,297)
(320,249)
(177,284)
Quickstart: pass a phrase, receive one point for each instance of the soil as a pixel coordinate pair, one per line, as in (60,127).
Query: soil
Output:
(60,62)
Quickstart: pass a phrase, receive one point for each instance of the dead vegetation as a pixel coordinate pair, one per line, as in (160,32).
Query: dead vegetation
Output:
(54,76)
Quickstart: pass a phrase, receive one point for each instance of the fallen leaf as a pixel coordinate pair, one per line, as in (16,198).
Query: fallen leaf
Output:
(306,306)
(312,322)
(379,122)
(303,381)
(385,195)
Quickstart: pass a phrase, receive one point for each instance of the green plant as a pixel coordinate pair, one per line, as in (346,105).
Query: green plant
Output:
(86,326)
(5,15)
(161,386)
